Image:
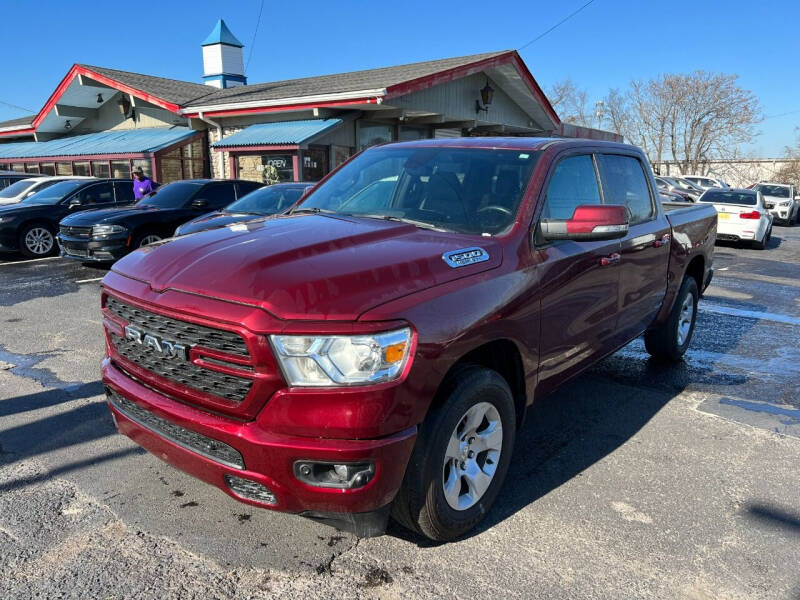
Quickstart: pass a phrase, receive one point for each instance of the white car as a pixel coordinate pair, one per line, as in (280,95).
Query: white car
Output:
(17,192)
(706,182)
(741,216)
(781,201)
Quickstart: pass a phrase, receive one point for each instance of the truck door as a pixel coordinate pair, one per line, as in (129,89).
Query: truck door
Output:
(579,280)
(644,250)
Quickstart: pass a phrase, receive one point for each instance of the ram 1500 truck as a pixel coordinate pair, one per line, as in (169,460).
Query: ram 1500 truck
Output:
(374,350)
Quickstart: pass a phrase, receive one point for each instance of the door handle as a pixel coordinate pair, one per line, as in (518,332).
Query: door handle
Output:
(664,241)
(611,259)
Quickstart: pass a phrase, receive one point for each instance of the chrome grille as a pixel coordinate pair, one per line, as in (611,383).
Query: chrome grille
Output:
(74,231)
(184,372)
(181,331)
(191,440)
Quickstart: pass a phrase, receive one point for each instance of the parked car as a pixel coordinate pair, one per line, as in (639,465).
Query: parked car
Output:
(30,226)
(346,360)
(9,177)
(676,187)
(781,200)
(705,182)
(742,215)
(664,187)
(24,188)
(107,235)
(257,204)
(673,197)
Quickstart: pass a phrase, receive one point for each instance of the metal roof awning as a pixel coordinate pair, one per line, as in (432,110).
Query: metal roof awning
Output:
(130,141)
(282,133)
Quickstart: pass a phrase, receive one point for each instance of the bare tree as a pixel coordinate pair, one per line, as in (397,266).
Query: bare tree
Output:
(790,172)
(572,103)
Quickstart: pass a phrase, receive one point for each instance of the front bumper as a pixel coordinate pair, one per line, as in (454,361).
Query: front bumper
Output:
(108,249)
(781,213)
(267,457)
(9,241)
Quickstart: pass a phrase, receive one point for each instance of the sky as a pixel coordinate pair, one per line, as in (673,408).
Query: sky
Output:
(604,46)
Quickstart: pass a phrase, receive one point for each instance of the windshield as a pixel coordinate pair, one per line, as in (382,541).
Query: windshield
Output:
(171,195)
(267,200)
(53,194)
(467,190)
(720,197)
(15,189)
(776,191)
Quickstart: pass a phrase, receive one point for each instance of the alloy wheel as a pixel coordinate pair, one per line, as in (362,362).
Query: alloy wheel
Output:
(472,456)
(149,239)
(39,241)
(685,319)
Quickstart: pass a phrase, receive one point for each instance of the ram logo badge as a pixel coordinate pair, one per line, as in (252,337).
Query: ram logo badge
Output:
(465,256)
(165,348)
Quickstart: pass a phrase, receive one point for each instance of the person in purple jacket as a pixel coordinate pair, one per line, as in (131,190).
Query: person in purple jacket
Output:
(142,184)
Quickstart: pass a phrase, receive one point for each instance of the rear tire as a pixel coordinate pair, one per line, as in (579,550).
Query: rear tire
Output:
(671,340)
(37,240)
(461,457)
(763,243)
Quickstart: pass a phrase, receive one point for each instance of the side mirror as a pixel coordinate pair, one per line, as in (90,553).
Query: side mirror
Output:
(75,202)
(199,203)
(588,222)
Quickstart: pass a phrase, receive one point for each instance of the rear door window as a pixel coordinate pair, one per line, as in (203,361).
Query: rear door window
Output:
(573,183)
(624,182)
(124,191)
(218,195)
(101,193)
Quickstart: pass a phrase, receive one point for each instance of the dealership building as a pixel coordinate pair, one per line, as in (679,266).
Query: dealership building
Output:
(105,122)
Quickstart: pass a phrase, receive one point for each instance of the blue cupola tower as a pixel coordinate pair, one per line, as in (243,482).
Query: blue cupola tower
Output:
(223,63)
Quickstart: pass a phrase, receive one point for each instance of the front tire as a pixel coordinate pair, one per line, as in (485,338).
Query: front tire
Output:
(670,340)
(143,239)
(37,241)
(461,457)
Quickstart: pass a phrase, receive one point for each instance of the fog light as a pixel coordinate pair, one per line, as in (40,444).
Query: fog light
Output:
(342,475)
(251,490)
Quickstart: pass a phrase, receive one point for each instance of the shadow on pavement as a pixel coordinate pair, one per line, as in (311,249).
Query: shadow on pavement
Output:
(20,404)
(774,516)
(72,427)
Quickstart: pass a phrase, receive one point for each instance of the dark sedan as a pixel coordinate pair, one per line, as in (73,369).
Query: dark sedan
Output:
(255,205)
(107,235)
(30,226)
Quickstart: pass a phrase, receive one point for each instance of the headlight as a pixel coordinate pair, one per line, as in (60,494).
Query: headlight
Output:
(327,360)
(786,203)
(99,230)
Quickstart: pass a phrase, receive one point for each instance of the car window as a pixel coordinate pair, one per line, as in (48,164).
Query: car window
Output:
(101,193)
(217,195)
(624,182)
(719,196)
(17,188)
(245,187)
(573,183)
(123,190)
(776,191)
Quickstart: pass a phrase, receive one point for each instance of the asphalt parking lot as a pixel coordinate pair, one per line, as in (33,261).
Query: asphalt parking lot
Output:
(636,480)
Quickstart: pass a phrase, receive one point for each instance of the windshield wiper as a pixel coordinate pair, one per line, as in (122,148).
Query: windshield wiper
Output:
(420,224)
(310,210)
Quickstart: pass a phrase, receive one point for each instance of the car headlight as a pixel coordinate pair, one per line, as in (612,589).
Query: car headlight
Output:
(340,360)
(785,203)
(99,230)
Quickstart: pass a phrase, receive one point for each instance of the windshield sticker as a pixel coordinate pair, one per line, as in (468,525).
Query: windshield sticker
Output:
(465,256)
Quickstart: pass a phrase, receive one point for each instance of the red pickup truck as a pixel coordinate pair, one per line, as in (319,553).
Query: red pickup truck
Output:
(374,350)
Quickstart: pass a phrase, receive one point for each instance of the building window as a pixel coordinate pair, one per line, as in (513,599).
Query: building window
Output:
(31,168)
(315,164)
(370,134)
(81,169)
(265,167)
(120,169)
(18,167)
(340,154)
(64,168)
(47,168)
(408,134)
(187,161)
(145,165)
(100,168)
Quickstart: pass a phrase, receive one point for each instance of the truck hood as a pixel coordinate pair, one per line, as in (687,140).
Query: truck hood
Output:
(314,267)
